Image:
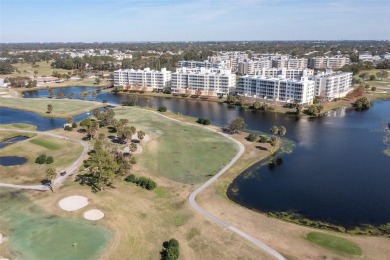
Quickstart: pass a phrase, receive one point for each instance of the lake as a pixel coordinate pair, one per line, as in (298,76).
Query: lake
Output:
(337,172)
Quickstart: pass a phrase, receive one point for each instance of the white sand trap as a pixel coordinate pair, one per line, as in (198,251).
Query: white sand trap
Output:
(93,214)
(4,258)
(73,203)
(1,239)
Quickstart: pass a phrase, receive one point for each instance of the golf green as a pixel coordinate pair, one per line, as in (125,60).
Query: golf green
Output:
(34,234)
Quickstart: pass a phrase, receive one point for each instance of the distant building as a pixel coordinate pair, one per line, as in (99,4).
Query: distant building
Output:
(212,63)
(277,89)
(335,62)
(332,85)
(284,73)
(142,78)
(290,63)
(210,81)
(249,67)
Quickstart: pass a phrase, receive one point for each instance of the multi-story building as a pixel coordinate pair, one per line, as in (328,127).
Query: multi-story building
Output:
(142,78)
(210,81)
(284,73)
(290,63)
(249,67)
(277,89)
(335,62)
(211,63)
(332,85)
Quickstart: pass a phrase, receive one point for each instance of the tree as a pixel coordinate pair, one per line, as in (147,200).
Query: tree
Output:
(362,103)
(363,75)
(69,120)
(51,92)
(94,94)
(35,73)
(6,68)
(50,175)
(84,95)
(382,74)
(373,88)
(274,140)
(372,77)
(49,108)
(235,125)
(97,80)
(140,134)
(71,95)
(170,250)
(299,109)
(256,105)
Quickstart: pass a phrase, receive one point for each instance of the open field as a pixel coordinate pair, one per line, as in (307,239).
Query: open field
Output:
(334,243)
(61,107)
(380,84)
(178,151)
(65,153)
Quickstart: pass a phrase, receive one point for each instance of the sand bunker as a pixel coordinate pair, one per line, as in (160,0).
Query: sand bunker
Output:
(1,239)
(93,214)
(73,203)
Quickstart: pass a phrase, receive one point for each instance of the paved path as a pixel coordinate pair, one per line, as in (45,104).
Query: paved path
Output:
(194,204)
(68,170)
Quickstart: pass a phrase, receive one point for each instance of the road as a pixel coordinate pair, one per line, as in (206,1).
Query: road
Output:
(69,170)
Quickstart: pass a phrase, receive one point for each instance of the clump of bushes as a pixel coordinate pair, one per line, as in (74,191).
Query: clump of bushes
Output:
(43,159)
(362,103)
(68,128)
(170,250)
(162,109)
(263,139)
(74,125)
(203,121)
(251,137)
(143,182)
(128,103)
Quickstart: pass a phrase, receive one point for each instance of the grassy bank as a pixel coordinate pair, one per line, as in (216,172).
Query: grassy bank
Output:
(61,107)
(334,243)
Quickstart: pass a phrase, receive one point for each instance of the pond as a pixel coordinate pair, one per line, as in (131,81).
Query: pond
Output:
(12,160)
(12,140)
(337,172)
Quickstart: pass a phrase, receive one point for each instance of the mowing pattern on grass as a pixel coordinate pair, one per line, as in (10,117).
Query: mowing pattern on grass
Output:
(61,107)
(180,152)
(333,243)
(46,143)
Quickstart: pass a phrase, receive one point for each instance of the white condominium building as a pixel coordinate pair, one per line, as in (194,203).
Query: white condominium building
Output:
(218,64)
(249,67)
(290,63)
(143,78)
(333,84)
(284,73)
(328,62)
(212,81)
(279,89)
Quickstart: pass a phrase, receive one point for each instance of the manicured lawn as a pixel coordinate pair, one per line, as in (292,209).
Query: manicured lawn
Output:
(179,151)
(46,143)
(61,107)
(333,243)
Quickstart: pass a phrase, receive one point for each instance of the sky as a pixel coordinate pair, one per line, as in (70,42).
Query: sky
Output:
(192,20)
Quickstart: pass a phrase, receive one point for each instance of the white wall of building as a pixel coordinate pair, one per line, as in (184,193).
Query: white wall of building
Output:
(144,78)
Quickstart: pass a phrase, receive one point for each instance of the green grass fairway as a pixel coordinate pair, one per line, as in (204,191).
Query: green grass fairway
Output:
(61,107)
(179,151)
(333,243)
(46,143)
(34,234)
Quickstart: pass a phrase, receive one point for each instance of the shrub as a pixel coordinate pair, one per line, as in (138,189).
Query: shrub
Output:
(132,160)
(167,90)
(68,128)
(251,137)
(41,159)
(74,125)
(49,160)
(170,250)
(131,178)
(203,121)
(373,88)
(362,103)
(162,109)
(104,101)
(263,139)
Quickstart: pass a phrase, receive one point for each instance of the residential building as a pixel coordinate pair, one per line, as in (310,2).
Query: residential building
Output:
(277,89)
(249,67)
(143,78)
(332,85)
(211,81)
(211,63)
(335,62)
(290,63)
(284,73)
